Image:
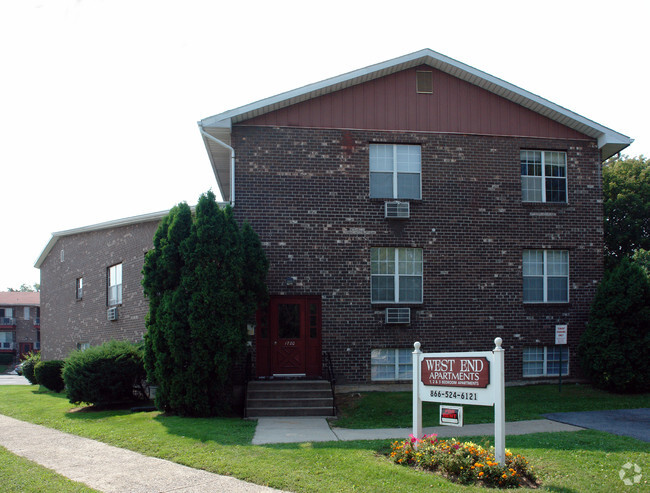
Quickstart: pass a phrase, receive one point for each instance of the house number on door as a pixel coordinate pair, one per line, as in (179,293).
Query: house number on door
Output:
(289,343)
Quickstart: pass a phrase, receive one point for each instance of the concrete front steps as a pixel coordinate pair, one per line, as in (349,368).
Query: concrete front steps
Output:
(279,398)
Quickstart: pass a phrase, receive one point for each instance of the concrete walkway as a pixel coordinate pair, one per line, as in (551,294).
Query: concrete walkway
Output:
(110,469)
(289,430)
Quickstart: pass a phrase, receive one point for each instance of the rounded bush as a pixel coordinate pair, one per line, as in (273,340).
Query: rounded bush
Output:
(48,374)
(28,367)
(615,346)
(106,374)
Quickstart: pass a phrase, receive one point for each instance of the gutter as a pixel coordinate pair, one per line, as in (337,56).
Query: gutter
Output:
(232,160)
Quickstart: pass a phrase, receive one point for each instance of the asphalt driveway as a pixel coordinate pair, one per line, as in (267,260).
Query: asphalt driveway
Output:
(633,423)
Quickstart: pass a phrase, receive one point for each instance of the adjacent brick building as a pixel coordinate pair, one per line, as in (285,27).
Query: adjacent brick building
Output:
(20,330)
(91,288)
(416,200)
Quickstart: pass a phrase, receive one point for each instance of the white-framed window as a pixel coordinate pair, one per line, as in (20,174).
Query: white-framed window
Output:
(395,171)
(543,176)
(79,288)
(396,275)
(114,273)
(7,340)
(391,364)
(26,312)
(545,361)
(546,276)
(82,346)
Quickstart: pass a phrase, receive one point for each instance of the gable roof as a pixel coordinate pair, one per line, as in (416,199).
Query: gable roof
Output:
(17,298)
(116,223)
(219,126)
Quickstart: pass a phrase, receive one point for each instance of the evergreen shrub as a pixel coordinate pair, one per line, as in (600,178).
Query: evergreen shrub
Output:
(107,374)
(48,374)
(615,347)
(29,361)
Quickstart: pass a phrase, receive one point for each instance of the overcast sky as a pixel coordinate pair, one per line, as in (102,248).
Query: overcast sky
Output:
(100,99)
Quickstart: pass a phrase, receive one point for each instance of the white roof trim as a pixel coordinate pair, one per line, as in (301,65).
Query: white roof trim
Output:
(116,223)
(609,141)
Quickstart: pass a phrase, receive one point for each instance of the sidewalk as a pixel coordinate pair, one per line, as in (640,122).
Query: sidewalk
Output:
(111,469)
(288,430)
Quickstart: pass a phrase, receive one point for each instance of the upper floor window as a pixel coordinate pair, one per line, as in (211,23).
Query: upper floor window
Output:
(115,285)
(79,290)
(543,176)
(395,171)
(546,276)
(26,312)
(396,275)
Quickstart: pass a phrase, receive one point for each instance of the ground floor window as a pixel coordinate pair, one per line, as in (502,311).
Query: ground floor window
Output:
(391,364)
(82,346)
(545,361)
(7,340)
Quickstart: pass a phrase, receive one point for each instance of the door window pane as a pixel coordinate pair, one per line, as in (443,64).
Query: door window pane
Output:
(288,321)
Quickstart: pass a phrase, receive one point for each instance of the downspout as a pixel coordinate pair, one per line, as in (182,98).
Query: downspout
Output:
(232,161)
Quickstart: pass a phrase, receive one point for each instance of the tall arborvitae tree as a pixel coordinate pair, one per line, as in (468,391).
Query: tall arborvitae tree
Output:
(165,354)
(219,280)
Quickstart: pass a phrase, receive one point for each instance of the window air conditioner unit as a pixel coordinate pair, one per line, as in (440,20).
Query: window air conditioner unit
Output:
(398,315)
(111,313)
(397,210)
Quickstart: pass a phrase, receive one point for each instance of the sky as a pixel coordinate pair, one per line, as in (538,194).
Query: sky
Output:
(99,99)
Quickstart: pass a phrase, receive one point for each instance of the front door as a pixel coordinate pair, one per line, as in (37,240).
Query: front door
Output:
(288,337)
(24,348)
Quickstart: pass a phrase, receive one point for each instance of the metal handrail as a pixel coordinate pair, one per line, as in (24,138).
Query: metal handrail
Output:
(329,367)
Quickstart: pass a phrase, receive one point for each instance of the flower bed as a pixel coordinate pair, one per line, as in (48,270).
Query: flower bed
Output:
(464,462)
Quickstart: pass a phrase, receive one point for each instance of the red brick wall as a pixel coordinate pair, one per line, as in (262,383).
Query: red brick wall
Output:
(65,322)
(305,192)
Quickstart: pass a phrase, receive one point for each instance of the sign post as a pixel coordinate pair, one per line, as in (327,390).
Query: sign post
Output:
(561,333)
(476,378)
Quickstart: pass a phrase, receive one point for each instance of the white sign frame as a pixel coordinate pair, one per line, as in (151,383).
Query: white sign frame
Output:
(492,395)
(561,334)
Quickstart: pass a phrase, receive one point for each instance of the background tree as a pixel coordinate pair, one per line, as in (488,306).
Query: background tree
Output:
(206,292)
(615,348)
(25,288)
(626,193)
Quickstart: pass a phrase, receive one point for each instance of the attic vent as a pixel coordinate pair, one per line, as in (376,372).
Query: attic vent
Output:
(396,210)
(398,315)
(424,82)
(111,313)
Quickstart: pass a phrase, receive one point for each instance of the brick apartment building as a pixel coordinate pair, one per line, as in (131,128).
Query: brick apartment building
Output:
(90,284)
(20,323)
(419,199)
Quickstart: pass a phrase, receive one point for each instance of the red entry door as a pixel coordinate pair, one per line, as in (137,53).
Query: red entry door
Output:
(24,348)
(288,337)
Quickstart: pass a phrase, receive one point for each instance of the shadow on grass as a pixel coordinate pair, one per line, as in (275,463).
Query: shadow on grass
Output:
(224,431)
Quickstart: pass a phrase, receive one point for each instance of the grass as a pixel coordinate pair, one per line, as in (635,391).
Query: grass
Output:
(19,475)
(394,409)
(3,368)
(581,461)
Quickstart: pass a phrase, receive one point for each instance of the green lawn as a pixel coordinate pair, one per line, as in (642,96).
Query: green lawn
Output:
(18,475)
(394,409)
(3,368)
(582,461)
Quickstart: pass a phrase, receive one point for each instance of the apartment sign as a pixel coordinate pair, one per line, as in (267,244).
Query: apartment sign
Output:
(472,372)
